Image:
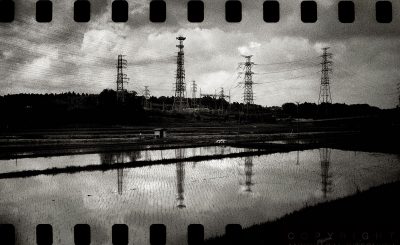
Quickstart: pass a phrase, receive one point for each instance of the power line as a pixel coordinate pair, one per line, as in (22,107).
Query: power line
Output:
(291,78)
(287,62)
(280,71)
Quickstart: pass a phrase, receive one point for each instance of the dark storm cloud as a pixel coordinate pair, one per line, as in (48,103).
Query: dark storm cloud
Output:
(327,27)
(64,55)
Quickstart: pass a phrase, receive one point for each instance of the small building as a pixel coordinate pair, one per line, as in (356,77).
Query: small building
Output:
(160,133)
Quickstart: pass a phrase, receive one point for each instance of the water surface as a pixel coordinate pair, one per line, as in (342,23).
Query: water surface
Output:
(244,190)
(40,163)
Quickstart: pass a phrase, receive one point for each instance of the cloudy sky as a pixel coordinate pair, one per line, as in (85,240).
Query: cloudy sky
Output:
(66,56)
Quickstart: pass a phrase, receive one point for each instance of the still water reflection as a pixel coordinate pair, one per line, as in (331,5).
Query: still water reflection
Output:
(40,163)
(245,190)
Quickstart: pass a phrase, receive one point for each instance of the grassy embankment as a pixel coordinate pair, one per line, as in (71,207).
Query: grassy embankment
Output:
(371,216)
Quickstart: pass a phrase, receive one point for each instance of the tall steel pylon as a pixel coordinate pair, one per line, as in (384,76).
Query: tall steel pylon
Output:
(325,91)
(326,182)
(121,78)
(146,92)
(180,101)
(248,95)
(194,92)
(146,95)
(223,96)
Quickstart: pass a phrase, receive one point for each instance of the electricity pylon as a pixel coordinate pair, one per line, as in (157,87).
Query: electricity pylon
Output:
(121,78)
(248,95)
(180,101)
(146,95)
(325,90)
(194,92)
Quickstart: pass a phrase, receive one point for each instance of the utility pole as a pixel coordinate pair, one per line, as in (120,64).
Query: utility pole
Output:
(248,95)
(194,91)
(146,96)
(180,101)
(121,78)
(325,92)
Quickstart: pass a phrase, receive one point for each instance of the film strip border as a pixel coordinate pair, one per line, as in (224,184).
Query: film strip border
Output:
(195,11)
(234,234)
(120,234)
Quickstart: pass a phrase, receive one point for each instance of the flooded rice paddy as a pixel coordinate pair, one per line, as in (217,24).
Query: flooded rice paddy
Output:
(245,190)
(41,163)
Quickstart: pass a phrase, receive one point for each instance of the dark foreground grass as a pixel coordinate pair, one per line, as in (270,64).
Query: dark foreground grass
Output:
(369,217)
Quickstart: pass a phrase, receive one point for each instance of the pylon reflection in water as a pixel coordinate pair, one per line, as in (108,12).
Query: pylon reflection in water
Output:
(180,178)
(326,182)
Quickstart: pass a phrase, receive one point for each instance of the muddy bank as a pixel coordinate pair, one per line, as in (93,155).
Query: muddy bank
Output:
(370,217)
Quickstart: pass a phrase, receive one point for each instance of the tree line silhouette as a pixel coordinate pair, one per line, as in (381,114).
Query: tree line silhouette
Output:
(76,110)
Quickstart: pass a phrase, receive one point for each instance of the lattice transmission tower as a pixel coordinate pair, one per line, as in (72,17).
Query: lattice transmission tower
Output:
(222,96)
(194,92)
(121,78)
(325,90)
(146,95)
(180,101)
(248,95)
